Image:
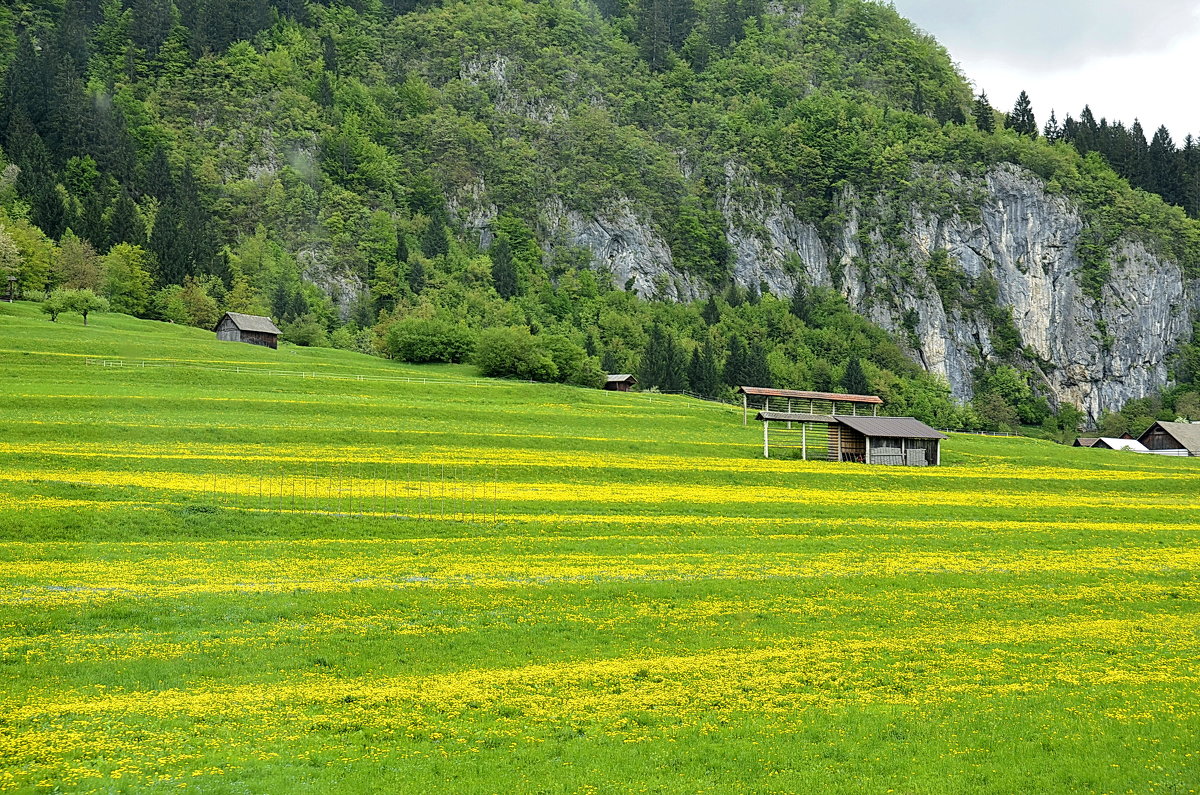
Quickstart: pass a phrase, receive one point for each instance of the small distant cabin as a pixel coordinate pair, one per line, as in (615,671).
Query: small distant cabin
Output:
(1172,438)
(1086,441)
(236,327)
(891,441)
(620,383)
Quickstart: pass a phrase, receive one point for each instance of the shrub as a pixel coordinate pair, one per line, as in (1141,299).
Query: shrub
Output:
(514,352)
(306,331)
(421,340)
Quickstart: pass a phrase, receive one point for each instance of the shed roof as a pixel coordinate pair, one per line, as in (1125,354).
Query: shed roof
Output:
(622,378)
(785,416)
(792,393)
(1186,433)
(1086,441)
(892,427)
(252,323)
(1133,445)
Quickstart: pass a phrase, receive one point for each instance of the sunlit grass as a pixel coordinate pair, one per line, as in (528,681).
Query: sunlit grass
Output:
(252,582)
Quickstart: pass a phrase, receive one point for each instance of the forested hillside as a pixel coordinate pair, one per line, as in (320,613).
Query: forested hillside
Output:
(562,187)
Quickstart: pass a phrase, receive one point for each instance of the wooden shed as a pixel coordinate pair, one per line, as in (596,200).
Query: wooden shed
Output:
(620,383)
(1172,438)
(895,441)
(816,403)
(256,330)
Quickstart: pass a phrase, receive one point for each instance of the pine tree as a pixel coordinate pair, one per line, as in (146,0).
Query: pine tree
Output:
(1165,167)
(1052,131)
(124,226)
(854,382)
(703,376)
(416,276)
(504,271)
(663,363)
(711,311)
(758,369)
(799,305)
(985,117)
(1022,120)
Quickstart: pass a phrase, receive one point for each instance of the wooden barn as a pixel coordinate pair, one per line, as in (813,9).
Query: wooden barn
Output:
(620,383)
(236,327)
(817,403)
(1172,438)
(893,441)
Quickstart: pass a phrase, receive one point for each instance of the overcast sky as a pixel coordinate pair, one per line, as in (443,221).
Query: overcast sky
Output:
(1126,59)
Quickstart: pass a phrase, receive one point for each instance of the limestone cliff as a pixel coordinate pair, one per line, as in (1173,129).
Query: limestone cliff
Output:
(1092,353)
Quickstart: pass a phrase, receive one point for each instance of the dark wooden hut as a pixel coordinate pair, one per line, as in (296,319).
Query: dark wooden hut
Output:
(1086,441)
(1172,438)
(256,330)
(620,383)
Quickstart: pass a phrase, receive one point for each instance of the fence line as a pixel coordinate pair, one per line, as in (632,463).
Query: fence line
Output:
(399,379)
(385,491)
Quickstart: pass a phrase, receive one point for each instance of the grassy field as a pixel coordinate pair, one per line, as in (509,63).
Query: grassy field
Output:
(217,577)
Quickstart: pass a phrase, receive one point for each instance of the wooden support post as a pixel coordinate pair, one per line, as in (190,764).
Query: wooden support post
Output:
(804,441)
(868,443)
(745,409)
(766,439)
(874,409)
(789,425)
(937,452)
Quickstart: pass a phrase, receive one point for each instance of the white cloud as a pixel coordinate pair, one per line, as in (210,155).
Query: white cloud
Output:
(1126,60)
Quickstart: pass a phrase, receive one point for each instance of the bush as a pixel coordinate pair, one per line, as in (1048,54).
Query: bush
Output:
(514,352)
(421,340)
(306,331)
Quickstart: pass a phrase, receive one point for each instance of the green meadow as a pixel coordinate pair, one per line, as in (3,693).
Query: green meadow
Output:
(230,569)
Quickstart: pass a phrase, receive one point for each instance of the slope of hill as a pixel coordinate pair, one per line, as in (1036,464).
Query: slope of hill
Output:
(249,581)
(376,150)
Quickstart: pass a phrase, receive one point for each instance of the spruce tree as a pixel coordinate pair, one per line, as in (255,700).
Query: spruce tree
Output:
(985,118)
(703,377)
(1052,131)
(711,311)
(663,364)
(758,370)
(1022,120)
(416,276)
(854,382)
(799,305)
(734,372)
(504,270)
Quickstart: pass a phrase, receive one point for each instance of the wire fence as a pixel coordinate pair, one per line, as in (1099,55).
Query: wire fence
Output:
(420,491)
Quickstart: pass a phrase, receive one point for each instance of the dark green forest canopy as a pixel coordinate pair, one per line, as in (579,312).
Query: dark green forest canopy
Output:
(315,161)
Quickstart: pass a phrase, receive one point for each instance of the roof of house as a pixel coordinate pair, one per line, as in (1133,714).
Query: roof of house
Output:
(1186,433)
(1132,445)
(252,323)
(1086,441)
(792,393)
(786,416)
(893,427)
(621,378)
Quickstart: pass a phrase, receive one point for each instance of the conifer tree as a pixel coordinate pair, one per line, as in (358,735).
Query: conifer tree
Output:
(711,311)
(504,271)
(985,118)
(416,276)
(663,363)
(703,377)
(854,382)
(1022,120)
(799,305)
(734,372)
(1052,131)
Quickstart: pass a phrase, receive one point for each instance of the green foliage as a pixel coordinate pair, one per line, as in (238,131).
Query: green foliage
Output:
(422,340)
(306,331)
(128,280)
(82,302)
(515,353)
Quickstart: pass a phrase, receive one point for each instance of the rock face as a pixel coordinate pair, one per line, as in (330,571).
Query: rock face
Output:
(1093,354)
